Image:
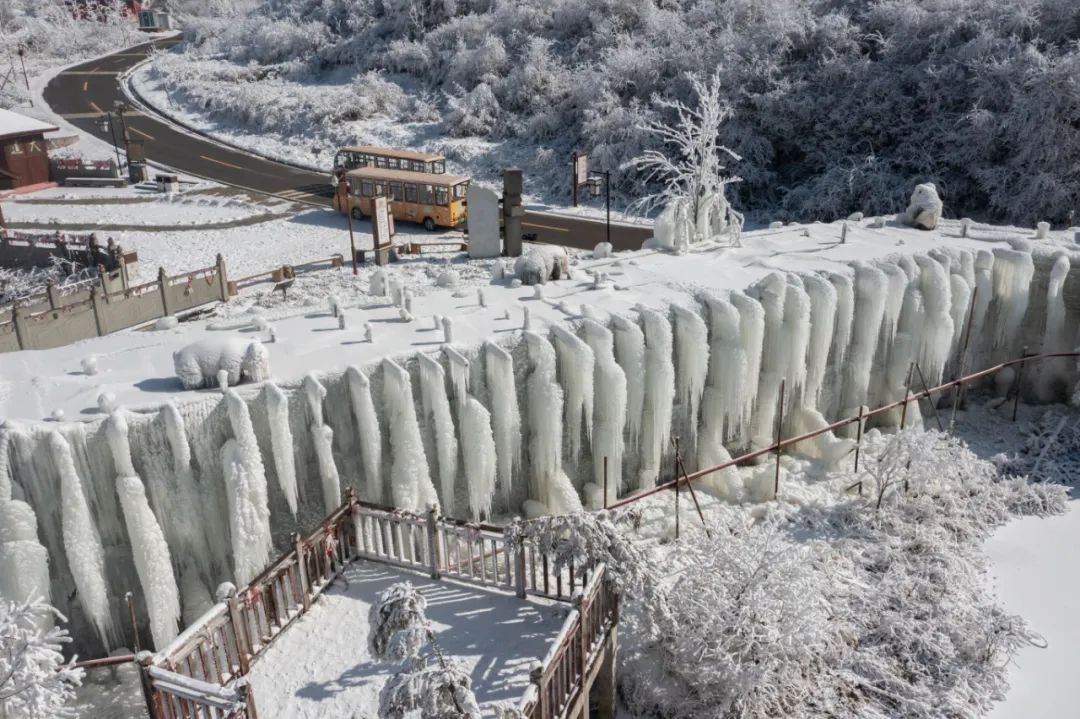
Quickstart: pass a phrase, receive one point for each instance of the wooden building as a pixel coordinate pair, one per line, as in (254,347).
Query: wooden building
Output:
(24,158)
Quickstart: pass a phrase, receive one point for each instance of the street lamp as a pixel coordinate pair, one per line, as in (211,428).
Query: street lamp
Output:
(105,124)
(594,183)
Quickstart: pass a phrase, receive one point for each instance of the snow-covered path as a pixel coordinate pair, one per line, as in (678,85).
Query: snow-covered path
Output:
(1035,574)
(320,667)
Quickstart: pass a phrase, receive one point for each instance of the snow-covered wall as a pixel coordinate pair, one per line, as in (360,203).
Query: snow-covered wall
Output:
(521,422)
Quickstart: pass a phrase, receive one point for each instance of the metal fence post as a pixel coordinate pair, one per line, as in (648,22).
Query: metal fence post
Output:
(301,570)
(1019,383)
(153,701)
(779,431)
(433,541)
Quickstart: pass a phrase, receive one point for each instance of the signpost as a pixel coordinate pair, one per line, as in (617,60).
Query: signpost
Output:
(343,202)
(381,230)
(580,163)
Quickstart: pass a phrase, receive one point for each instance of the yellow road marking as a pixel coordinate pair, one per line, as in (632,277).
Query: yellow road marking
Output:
(91,72)
(135,129)
(95,106)
(85,83)
(546,227)
(221,162)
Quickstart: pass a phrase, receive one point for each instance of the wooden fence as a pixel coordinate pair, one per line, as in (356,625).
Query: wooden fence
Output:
(219,648)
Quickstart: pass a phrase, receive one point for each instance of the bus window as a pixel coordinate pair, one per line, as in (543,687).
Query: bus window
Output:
(395,191)
(355,187)
(418,166)
(367,160)
(367,189)
(380,162)
(380,189)
(442,196)
(426,194)
(393,163)
(339,159)
(410,192)
(438,167)
(461,190)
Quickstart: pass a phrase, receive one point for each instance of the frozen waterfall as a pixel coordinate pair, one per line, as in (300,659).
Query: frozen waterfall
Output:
(609,412)
(576,377)
(505,415)
(281,442)
(410,478)
(437,414)
(369,434)
(659,395)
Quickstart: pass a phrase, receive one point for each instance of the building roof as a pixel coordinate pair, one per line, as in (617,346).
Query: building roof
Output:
(389,152)
(12,124)
(374,173)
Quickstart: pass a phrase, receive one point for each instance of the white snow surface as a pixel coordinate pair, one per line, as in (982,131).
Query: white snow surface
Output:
(321,667)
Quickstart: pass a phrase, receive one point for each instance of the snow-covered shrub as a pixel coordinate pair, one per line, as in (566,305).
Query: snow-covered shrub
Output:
(924,208)
(35,681)
(440,690)
(1051,450)
(398,625)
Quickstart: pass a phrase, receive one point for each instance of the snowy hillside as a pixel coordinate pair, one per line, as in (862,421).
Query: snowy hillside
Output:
(837,105)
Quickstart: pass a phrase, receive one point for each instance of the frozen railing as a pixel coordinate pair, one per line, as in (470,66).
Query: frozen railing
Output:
(221,646)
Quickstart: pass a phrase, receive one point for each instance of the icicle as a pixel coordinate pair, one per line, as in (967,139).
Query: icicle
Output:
(545,408)
(609,411)
(796,332)
(725,483)
(1013,270)
(752,337)
(322,438)
(369,434)
(722,409)
(822,296)
(478,456)
(505,416)
(659,394)
(437,412)
(894,301)
(630,354)
(692,362)
(960,293)
(459,376)
(24,562)
(576,363)
(5,464)
(826,447)
(281,443)
(526,323)
(153,563)
(1053,374)
(410,478)
(845,318)
(249,508)
(82,544)
(771,291)
(871,286)
(984,292)
(935,341)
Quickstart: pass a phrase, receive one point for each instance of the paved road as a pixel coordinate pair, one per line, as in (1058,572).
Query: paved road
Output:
(81,94)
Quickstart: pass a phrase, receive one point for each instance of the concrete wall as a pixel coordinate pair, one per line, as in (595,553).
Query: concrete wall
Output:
(58,321)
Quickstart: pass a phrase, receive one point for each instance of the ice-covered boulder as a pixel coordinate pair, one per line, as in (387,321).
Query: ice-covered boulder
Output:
(198,364)
(542,263)
(924,209)
(602,251)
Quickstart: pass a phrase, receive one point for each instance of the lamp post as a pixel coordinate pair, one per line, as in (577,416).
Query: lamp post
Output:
(22,61)
(120,109)
(594,190)
(106,125)
(343,191)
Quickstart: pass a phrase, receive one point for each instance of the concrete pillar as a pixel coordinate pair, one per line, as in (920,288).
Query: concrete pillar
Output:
(222,278)
(97,300)
(513,212)
(163,290)
(54,296)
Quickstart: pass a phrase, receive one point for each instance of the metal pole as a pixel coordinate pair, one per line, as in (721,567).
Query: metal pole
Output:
(681,469)
(348,216)
(1019,383)
(607,201)
(907,395)
(123,129)
(963,359)
(926,391)
(130,599)
(605,481)
(26,80)
(858,443)
(779,449)
(116,147)
(573,178)
(676,508)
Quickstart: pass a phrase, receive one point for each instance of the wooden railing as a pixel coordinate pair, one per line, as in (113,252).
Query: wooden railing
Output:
(221,646)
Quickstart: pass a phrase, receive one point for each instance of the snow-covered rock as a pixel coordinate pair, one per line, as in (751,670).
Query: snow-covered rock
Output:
(602,251)
(924,209)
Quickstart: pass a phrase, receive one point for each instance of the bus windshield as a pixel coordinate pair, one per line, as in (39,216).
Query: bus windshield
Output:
(461,190)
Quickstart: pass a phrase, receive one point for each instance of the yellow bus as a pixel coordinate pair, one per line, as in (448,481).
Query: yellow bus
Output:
(353,158)
(429,199)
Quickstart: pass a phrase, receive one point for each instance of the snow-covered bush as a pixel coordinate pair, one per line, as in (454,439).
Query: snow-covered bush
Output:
(35,681)
(398,625)
(437,690)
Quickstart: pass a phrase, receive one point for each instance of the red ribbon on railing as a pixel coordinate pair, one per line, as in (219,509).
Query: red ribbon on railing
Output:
(329,545)
(252,596)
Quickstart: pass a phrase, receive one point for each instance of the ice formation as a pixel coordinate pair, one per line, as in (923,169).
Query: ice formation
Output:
(1053,373)
(691,362)
(322,438)
(722,408)
(281,443)
(752,336)
(193,548)
(1013,270)
(609,414)
(771,291)
(197,365)
(630,354)
(369,434)
(659,395)
(149,549)
(870,286)
(478,455)
(576,364)
(82,544)
(894,300)
(437,413)
(505,415)
(796,331)
(545,407)
(924,209)
(24,562)
(936,337)
(248,500)
(410,479)
(724,483)
(822,294)
(459,376)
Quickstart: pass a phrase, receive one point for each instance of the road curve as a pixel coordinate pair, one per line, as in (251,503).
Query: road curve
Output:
(82,93)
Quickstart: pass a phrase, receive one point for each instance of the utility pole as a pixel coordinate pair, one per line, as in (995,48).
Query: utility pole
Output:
(26,80)
(344,192)
(512,211)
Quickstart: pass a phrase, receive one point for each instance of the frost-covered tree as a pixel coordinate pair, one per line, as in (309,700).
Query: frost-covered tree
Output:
(430,683)
(35,681)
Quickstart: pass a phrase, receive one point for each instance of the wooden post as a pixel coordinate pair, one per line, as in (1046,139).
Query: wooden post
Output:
(244,645)
(433,541)
(536,678)
(605,691)
(519,563)
(298,542)
(1019,383)
(53,294)
(963,360)
(907,395)
(130,599)
(222,278)
(779,429)
(163,290)
(858,443)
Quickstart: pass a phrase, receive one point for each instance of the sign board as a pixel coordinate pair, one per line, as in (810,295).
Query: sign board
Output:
(381,219)
(483,219)
(581,168)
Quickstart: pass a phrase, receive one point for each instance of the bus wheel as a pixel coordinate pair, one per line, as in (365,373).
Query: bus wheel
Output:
(357,214)
(429,224)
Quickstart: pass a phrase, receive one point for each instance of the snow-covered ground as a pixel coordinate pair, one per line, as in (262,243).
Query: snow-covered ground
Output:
(322,667)
(179,211)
